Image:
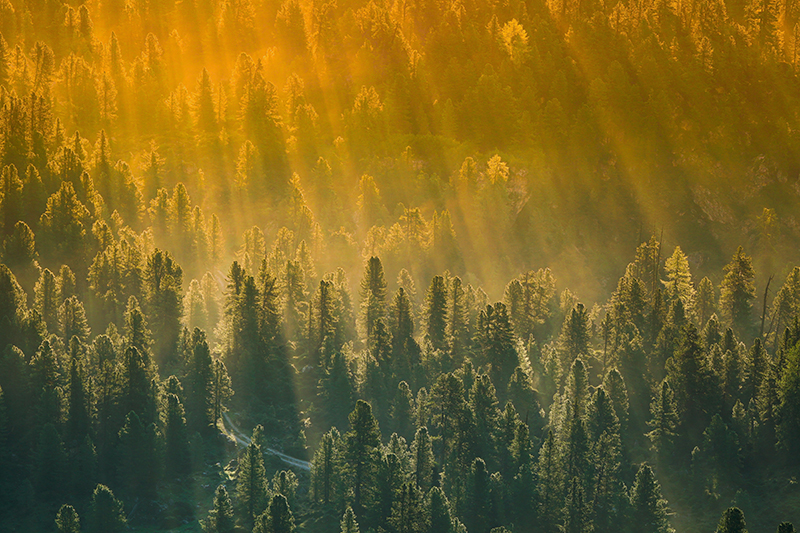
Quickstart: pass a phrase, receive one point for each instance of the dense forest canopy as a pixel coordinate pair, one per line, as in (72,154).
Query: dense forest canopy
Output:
(421,266)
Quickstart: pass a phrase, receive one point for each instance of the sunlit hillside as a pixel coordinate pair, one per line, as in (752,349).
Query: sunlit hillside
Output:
(432,266)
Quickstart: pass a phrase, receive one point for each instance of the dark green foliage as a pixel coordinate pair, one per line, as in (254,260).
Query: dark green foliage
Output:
(251,483)
(436,314)
(648,508)
(163,289)
(137,463)
(737,292)
(220,518)
(732,521)
(176,453)
(67,520)
(106,514)
(373,296)
(360,443)
(277,518)
(349,524)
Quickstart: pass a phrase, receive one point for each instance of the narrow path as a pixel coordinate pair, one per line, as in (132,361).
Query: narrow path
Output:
(244,440)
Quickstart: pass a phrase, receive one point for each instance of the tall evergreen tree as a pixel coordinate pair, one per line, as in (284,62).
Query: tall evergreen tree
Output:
(67,520)
(360,443)
(220,518)
(373,296)
(737,292)
(251,482)
(648,508)
(732,521)
(106,513)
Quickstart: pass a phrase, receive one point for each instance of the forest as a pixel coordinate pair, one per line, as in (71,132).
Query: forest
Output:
(399,266)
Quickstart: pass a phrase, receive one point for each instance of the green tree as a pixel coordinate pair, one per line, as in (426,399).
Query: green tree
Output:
(436,314)
(277,518)
(348,523)
(737,292)
(220,518)
(360,443)
(251,482)
(67,520)
(106,513)
(732,521)
(373,296)
(424,465)
(164,304)
(176,453)
(648,508)
(664,421)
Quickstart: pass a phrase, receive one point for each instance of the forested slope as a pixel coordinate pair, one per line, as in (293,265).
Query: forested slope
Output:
(428,246)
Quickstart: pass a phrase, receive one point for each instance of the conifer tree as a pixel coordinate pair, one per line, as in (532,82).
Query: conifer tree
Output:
(137,456)
(220,518)
(648,508)
(440,517)
(176,453)
(46,300)
(692,380)
(737,292)
(732,521)
(422,460)
(324,467)
(348,523)
(373,296)
(277,518)
(67,520)
(436,313)
(664,421)
(549,484)
(360,442)
(251,482)
(106,514)
(163,280)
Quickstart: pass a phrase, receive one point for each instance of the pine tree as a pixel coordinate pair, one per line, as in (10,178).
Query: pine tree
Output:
(348,523)
(360,442)
(402,411)
(78,417)
(373,296)
(106,514)
(648,508)
(72,320)
(251,482)
(202,385)
(67,520)
(137,456)
(46,301)
(574,339)
(692,380)
(324,467)
(163,280)
(549,485)
(737,292)
(440,517)
(220,518)
(277,518)
(176,453)
(436,314)
(732,521)
(478,501)
(664,421)
(706,303)
(679,284)
(424,465)
(408,511)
